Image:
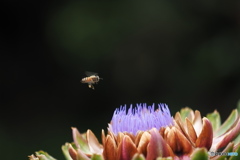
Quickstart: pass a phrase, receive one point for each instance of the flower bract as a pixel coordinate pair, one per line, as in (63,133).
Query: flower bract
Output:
(148,133)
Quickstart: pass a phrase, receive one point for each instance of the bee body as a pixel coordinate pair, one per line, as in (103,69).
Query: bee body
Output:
(92,79)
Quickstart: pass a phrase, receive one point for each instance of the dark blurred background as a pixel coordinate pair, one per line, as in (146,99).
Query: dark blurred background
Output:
(181,53)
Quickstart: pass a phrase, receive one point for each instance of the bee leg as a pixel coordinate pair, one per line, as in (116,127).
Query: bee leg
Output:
(90,86)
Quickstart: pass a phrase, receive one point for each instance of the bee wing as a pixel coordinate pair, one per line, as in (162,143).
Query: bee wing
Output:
(90,73)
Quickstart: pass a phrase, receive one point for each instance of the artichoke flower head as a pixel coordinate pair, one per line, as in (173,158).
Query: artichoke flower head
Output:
(148,133)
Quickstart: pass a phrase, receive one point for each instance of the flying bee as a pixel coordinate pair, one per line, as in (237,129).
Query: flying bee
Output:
(92,78)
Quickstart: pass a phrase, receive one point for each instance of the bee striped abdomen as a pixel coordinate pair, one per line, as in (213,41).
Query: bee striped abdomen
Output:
(87,80)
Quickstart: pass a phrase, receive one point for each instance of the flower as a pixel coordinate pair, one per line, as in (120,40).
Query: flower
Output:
(144,133)
(141,118)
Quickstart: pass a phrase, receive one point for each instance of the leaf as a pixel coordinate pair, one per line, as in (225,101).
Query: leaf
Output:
(157,147)
(97,157)
(80,141)
(66,152)
(93,144)
(44,156)
(206,135)
(126,148)
(228,123)
(199,154)
(138,157)
(221,141)
(215,119)
(228,149)
(236,157)
(110,148)
(237,139)
(186,112)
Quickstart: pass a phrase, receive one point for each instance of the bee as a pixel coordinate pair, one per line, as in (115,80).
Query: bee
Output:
(92,78)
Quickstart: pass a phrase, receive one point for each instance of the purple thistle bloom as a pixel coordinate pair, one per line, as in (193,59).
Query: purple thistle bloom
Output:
(140,118)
